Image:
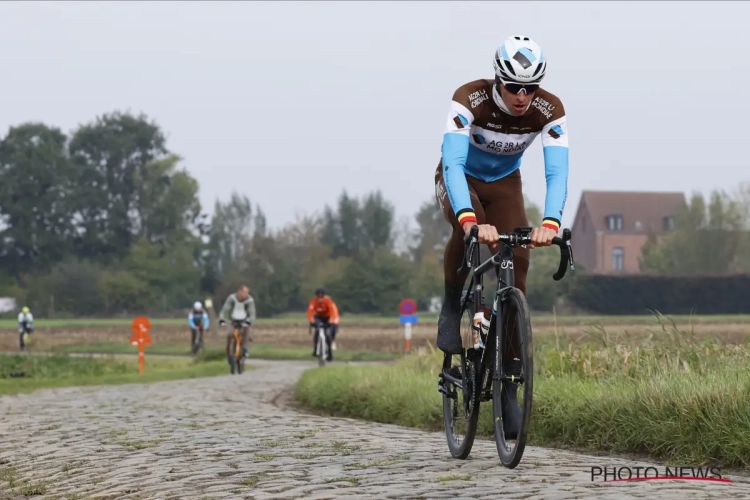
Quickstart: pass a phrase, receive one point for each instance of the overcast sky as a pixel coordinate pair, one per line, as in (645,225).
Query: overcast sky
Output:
(289,103)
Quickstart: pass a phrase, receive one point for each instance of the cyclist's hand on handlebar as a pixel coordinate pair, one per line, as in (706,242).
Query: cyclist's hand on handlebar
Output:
(222,322)
(487,233)
(542,237)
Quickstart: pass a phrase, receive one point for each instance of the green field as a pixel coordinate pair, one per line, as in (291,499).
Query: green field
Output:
(300,318)
(60,370)
(256,351)
(678,398)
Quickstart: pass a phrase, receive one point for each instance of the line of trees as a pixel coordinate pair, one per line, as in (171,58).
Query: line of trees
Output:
(104,221)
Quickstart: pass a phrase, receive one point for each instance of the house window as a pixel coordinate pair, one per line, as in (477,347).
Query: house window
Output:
(614,222)
(618,259)
(668,223)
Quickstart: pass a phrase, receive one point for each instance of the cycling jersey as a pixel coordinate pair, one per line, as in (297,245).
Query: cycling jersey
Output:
(197,317)
(323,308)
(25,319)
(483,140)
(238,310)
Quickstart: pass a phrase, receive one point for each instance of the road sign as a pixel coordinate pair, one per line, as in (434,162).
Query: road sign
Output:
(407,307)
(407,319)
(141,324)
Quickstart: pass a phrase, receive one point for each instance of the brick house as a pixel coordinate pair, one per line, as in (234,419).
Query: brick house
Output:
(611,227)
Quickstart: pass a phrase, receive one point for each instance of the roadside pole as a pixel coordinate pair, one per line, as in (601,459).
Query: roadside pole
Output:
(408,317)
(141,328)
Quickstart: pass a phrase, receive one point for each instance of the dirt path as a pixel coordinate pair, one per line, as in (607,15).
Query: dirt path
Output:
(224,438)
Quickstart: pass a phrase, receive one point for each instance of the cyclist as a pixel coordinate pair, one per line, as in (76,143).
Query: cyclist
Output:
(198,320)
(478,182)
(242,307)
(25,325)
(323,308)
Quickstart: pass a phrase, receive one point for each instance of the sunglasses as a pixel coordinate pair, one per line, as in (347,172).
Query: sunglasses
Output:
(516,88)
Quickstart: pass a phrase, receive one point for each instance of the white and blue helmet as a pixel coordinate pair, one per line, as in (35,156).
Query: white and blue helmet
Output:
(520,60)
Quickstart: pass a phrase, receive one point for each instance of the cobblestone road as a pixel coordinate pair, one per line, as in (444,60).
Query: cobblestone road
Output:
(225,438)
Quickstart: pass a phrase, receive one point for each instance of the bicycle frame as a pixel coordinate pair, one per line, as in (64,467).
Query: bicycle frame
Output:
(323,338)
(238,341)
(502,262)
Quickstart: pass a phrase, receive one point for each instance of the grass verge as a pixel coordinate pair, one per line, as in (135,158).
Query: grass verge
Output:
(256,351)
(673,397)
(64,371)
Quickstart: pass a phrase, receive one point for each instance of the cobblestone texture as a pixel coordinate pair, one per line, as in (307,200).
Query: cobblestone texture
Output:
(224,437)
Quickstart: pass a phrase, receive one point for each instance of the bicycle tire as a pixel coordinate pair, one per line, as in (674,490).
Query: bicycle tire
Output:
(230,356)
(514,301)
(321,348)
(196,346)
(468,368)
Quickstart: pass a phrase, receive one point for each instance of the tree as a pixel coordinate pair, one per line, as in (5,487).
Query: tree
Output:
(232,227)
(376,222)
(434,231)
(707,239)
(37,187)
(375,281)
(116,155)
(167,202)
(358,225)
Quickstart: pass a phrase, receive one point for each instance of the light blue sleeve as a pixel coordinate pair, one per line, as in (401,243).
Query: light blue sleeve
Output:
(205,321)
(191,321)
(556,174)
(455,153)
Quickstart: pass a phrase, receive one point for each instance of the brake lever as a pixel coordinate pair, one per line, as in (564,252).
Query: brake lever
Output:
(566,255)
(470,240)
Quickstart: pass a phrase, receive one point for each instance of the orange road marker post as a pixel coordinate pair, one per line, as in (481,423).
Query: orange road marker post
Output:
(141,328)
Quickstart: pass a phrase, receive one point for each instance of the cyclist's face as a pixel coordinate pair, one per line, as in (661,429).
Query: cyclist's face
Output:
(517,103)
(242,293)
(320,297)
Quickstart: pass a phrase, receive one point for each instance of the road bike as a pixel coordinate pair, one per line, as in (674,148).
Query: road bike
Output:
(323,342)
(502,361)
(234,354)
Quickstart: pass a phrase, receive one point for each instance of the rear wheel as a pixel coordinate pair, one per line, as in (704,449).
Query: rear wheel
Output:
(461,402)
(513,386)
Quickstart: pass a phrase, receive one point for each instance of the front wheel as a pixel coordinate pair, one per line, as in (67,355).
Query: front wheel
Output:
(513,380)
(197,343)
(322,354)
(461,394)
(230,357)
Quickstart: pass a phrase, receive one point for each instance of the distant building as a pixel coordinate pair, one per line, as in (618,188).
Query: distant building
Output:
(611,227)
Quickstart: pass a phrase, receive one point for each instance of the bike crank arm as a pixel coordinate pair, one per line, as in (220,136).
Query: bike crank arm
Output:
(453,380)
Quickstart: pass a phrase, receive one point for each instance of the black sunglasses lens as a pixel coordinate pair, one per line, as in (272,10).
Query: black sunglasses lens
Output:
(515,88)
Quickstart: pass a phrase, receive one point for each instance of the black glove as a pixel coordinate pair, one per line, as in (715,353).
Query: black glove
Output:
(222,322)
(247,322)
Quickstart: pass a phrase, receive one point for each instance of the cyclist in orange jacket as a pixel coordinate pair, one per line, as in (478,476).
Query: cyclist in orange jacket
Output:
(323,309)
